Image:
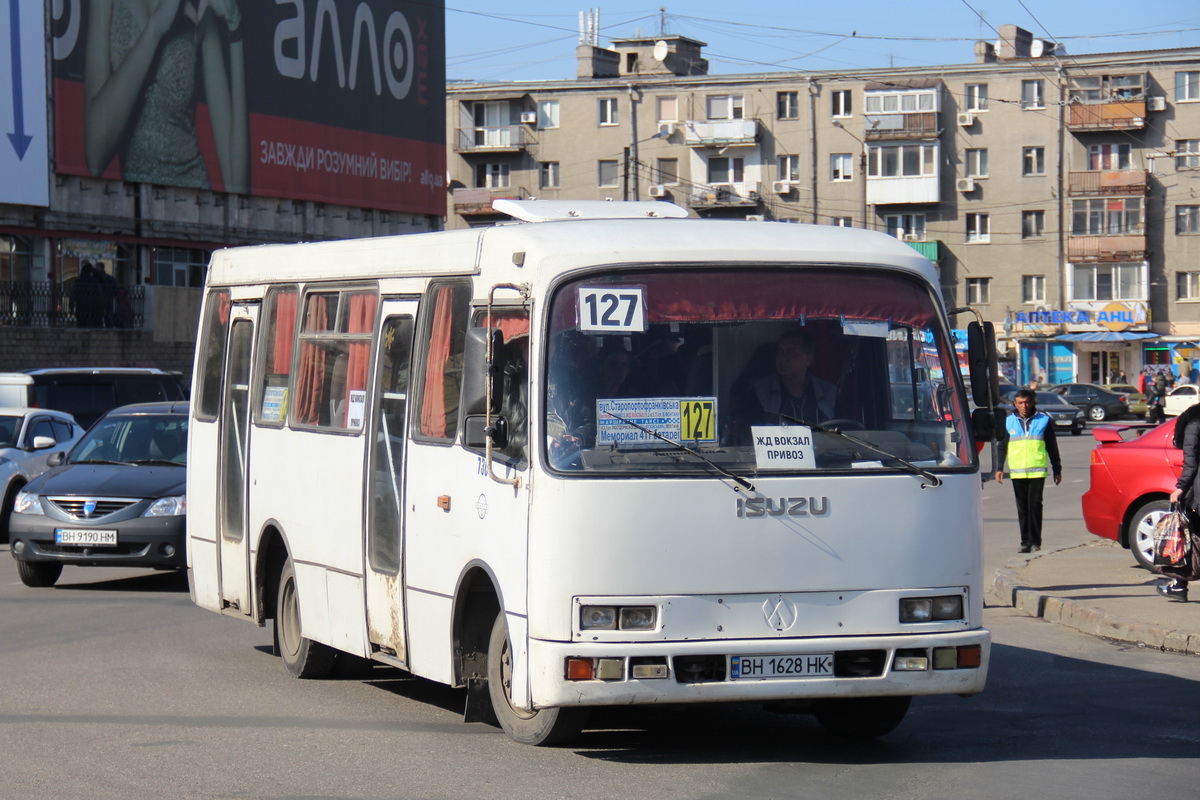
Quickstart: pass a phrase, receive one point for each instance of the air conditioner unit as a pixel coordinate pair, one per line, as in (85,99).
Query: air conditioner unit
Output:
(529,117)
(756,218)
(913,237)
(966,120)
(781,187)
(666,128)
(658,190)
(965,184)
(1156,103)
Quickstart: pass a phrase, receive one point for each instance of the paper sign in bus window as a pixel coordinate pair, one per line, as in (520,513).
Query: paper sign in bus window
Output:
(632,422)
(778,447)
(612,310)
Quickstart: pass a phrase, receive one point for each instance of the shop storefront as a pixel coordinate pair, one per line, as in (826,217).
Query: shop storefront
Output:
(1088,342)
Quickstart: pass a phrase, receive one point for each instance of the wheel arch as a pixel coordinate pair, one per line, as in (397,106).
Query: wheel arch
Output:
(273,551)
(477,600)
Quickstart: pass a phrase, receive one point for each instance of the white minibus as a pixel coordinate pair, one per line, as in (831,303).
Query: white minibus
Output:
(601,455)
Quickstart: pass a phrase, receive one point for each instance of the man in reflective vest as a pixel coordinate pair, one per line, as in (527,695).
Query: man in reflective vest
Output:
(1029,445)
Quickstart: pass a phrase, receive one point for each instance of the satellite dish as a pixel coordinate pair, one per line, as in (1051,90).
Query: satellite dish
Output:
(660,50)
(1038,48)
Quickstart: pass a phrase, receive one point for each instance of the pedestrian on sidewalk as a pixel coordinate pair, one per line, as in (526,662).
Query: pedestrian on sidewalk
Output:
(1027,442)
(1187,488)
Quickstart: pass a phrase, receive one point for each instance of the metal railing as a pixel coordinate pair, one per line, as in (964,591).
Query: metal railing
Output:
(42,304)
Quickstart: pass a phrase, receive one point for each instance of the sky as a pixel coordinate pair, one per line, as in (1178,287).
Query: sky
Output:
(536,39)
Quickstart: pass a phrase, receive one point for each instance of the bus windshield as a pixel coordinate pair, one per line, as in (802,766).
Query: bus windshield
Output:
(751,371)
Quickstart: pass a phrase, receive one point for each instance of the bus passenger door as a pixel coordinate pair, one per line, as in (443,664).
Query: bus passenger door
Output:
(234,560)
(384,501)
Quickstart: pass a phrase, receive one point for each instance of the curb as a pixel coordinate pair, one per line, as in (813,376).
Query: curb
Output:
(1088,619)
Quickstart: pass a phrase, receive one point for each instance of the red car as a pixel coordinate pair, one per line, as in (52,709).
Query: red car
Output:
(1131,479)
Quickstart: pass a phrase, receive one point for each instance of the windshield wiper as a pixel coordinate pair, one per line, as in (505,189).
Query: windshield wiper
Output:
(934,480)
(102,461)
(738,479)
(161,462)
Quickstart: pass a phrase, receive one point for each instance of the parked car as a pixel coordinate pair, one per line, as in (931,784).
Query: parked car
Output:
(117,499)
(1180,399)
(1097,402)
(1132,476)
(27,438)
(1064,415)
(86,393)
(1136,400)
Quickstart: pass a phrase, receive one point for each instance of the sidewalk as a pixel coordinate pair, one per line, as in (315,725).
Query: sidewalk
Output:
(1096,588)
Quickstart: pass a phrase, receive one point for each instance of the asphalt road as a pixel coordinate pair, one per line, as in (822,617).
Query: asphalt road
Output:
(115,686)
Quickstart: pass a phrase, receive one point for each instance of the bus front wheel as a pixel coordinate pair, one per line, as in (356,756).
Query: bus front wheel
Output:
(303,657)
(861,717)
(546,726)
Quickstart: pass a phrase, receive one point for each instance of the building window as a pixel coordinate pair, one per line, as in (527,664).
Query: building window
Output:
(1033,94)
(547,114)
(787,105)
(1187,285)
(841,103)
(1033,224)
(978,230)
(1106,217)
(789,168)
(606,173)
(1109,156)
(550,175)
(906,160)
(977,98)
(1033,161)
(179,266)
(1106,88)
(979,291)
(899,102)
(491,176)
(905,226)
(667,108)
(1187,219)
(843,222)
(977,163)
(724,106)
(1187,86)
(667,171)
(1033,288)
(726,169)
(1187,154)
(607,110)
(841,167)
(1107,282)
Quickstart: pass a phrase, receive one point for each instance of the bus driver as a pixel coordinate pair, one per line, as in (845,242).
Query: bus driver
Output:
(791,393)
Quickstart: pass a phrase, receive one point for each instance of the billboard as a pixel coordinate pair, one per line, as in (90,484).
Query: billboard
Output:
(335,101)
(24,156)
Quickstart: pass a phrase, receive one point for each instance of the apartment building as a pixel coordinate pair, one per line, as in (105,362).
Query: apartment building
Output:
(1059,195)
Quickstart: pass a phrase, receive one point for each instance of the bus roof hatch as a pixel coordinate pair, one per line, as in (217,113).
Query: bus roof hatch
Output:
(548,210)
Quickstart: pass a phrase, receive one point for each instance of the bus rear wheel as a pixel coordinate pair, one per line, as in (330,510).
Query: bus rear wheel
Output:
(861,717)
(303,657)
(546,726)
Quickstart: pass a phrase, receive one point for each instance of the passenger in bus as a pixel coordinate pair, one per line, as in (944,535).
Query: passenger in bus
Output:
(790,393)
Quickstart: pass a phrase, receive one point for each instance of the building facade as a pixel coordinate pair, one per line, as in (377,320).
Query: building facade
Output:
(1058,195)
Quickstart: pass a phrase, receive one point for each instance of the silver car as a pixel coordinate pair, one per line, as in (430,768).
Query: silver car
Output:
(27,438)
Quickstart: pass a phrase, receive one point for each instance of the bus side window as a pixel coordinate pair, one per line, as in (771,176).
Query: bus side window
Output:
(216,333)
(443,333)
(514,381)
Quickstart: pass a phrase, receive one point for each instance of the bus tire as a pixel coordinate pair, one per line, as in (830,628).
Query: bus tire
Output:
(544,727)
(39,574)
(861,717)
(303,657)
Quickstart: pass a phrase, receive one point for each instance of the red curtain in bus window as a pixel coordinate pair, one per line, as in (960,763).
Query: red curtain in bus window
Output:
(361,320)
(311,382)
(433,400)
(285,327)
(510,324)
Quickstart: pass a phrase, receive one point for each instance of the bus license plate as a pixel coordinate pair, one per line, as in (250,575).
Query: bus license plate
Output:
(90,538)
(780,666)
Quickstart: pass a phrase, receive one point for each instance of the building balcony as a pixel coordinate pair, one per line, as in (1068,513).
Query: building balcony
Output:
(1096,183)
(500,139)
(900,191)
(1124,115)
(931,250)
(725,195)
(721,133)
(918,125)
(1122,247)
(478,202)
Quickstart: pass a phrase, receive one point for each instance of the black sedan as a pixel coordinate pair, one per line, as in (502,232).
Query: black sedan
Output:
(117,499)
(1064,415)
(1097,402)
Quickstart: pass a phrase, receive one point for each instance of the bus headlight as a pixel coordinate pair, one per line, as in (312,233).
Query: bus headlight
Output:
(612,618)
(931,609)
(598,618)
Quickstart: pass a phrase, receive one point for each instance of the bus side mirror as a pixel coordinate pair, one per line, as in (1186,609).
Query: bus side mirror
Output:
(981,363)
(983,423)
(475,432)
(478,377)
